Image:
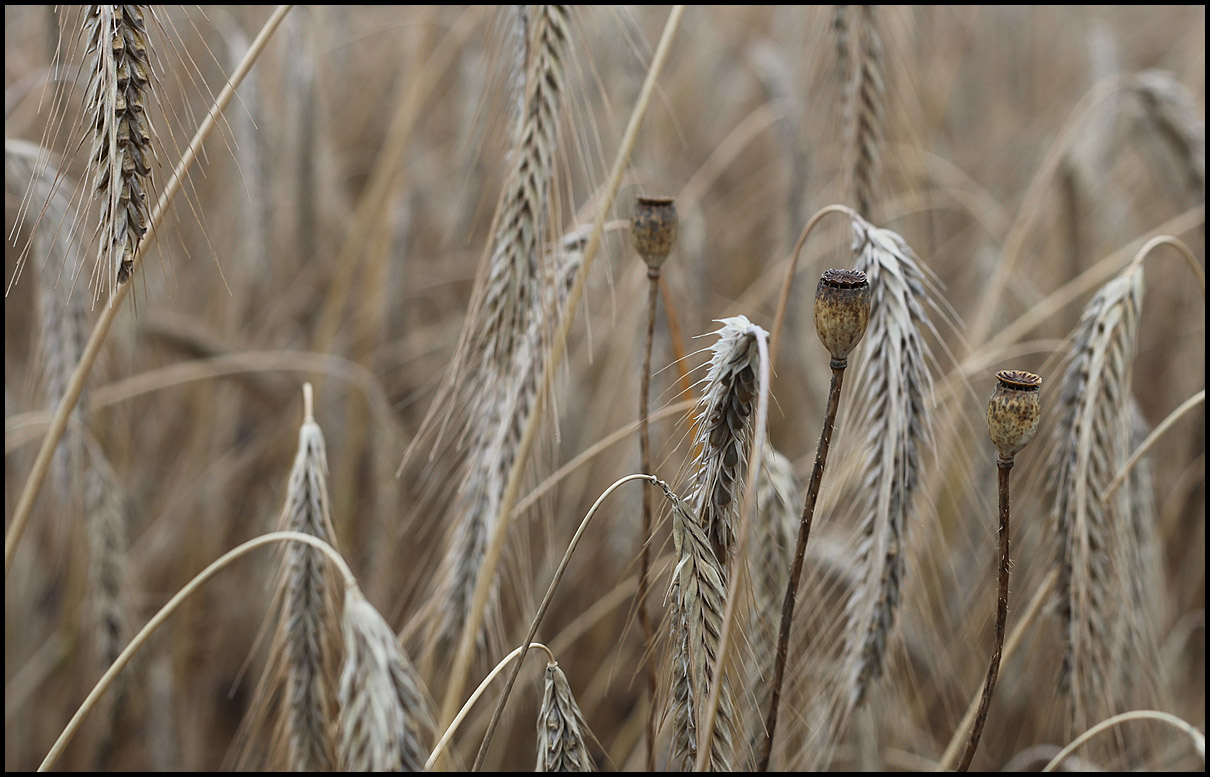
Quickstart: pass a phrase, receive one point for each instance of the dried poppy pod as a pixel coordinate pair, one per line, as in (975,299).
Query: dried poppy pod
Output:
(842,311)
(1013,411)
(654,228)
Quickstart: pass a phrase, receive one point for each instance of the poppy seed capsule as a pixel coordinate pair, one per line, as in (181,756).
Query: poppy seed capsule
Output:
(654,226)
(842,311)
(1013,411)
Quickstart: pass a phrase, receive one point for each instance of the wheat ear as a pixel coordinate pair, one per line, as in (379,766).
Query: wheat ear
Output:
(723,436)
(1090,444)
(119,90)
(384,719)
(893,407)
(501,356)
(307,635)
(698,593)
(562,732)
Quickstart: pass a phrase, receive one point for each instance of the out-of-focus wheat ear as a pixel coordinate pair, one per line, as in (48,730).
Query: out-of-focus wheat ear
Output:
(893,414)
(385,723)
(779,496)
(510,294)
(723,432)
(108,545)
(308,628)
(494,445)
(1170,112)
(562,732)
(699,593)
(118,92)
(55,243)
(1091,443)
(865,109)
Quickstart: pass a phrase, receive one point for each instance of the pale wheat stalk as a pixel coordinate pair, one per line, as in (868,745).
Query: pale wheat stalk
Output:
(1092,533)
(118,93)
(562,732)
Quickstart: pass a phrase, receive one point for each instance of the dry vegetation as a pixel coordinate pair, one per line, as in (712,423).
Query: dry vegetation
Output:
(398,209)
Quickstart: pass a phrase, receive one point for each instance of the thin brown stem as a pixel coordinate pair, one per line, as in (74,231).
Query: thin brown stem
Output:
(653,298)
(800,552)
(1005,467)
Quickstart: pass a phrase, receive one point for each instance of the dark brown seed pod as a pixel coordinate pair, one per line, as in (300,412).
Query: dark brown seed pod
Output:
(654,226)
(842,311)
(1013,411)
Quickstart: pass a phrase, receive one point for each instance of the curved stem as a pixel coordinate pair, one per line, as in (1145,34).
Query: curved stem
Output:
(75,386)
(176,601)
(546,600)
(491,557)
(1199,739)
(783,299)
(800,552)
(1163,426)
(1004,469)
(444,742)
(1180,248)
(653,274)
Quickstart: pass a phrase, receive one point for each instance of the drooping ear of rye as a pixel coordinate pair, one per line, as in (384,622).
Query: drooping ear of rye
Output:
(893,406)
(1092,533)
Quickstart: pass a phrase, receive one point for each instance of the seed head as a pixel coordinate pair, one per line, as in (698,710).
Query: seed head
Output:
(654,228)
(842,310)
(1013,411)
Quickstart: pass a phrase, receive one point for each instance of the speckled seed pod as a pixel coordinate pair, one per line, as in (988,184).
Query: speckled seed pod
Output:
(842,310)
(1013,411)
(654,228)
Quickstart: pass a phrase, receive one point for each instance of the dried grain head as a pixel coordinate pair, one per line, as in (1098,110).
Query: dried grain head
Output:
(653,227)
(724,419)
(892,411)
(118,92)
(842,311)
(384,719)
(1093,536)
(698,592)
(562,732)
(1013,411)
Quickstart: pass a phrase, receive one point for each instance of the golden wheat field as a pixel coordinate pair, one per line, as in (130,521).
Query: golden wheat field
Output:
(605,388)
